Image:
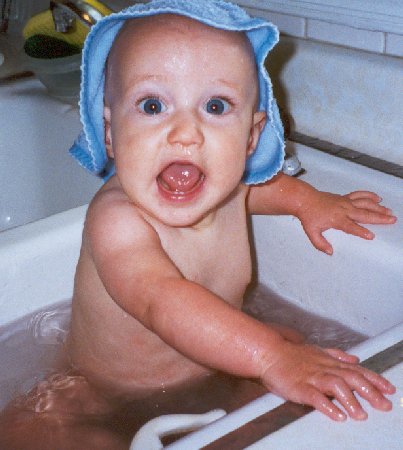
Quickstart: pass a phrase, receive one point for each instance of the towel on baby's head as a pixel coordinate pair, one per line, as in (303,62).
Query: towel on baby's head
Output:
(89,148)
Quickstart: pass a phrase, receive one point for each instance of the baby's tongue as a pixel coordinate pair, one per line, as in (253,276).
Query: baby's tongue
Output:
(179,177)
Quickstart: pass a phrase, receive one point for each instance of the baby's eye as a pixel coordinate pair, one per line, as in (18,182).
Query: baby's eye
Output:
(217,106)
(152,106)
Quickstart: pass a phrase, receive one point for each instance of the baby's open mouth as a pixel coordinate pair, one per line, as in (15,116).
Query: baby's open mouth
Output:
(180,180)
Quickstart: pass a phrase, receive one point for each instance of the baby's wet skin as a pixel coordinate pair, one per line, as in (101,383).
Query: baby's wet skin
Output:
(179,140)
(315,376)
(188,132)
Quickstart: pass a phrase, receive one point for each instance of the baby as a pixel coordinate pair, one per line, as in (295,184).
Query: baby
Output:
(165,257)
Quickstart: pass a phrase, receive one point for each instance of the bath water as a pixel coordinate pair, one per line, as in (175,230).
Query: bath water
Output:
(32,349)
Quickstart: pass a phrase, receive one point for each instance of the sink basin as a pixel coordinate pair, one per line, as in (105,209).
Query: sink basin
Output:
(40,176)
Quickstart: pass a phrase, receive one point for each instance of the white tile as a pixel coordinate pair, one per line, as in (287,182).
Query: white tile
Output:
(347,36)
(341,95)
(290,25)
(394,44)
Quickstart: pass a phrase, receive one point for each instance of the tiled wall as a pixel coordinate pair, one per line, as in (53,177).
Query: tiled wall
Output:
(348,36)
(340,83)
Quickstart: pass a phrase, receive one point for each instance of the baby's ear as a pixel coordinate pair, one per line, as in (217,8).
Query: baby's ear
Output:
(108,136)
(259,120)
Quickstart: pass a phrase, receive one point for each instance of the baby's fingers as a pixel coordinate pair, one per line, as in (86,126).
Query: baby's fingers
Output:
(341,355)
(350,227)
(368,209)
(372,206)
(337,387)
(320,243)
(374,211)
(381,383)
(368,385)
(378,381)
(356,195)
(366,389)
(362,215)
(313,397)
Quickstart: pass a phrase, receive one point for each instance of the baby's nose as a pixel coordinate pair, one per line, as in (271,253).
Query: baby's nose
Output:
(185,130)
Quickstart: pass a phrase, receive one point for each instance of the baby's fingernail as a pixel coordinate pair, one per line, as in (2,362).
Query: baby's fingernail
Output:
(357,413)
(341,417)
(391,388)
(369,235)
(362,415)
(386,405)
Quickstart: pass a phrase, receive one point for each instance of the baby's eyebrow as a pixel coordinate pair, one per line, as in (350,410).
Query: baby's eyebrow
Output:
(225,82)
(147,77)
(234,86)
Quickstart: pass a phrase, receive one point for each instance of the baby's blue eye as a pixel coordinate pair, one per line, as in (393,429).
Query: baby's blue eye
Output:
(217,106)
(152,106)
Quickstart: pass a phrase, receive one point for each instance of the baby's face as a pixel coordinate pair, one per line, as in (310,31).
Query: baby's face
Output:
(180,115)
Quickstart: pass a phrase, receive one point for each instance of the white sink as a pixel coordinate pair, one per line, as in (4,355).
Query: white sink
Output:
(38,176)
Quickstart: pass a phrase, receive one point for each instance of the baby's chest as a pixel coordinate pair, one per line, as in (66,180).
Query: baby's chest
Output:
(218,260)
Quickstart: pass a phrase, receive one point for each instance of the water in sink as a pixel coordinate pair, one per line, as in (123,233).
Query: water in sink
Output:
(32,349)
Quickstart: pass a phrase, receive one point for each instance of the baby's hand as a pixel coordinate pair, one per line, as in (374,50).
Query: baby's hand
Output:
(309,375)
(324,210)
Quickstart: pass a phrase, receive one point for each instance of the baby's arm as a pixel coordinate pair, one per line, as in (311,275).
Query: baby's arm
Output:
(319,211)
(142,280)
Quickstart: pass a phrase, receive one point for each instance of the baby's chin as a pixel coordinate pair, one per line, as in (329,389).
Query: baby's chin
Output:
(179,215)
(185,218)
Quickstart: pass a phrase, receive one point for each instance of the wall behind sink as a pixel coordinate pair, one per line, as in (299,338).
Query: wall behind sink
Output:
(339,73)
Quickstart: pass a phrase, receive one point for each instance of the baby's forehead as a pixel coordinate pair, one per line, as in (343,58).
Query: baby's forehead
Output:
(171,36)
(160,26)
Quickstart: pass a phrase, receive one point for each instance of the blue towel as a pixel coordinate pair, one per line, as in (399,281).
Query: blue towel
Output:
(89,148)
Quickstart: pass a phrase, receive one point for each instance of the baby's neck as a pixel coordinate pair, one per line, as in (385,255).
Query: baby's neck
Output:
(205,222)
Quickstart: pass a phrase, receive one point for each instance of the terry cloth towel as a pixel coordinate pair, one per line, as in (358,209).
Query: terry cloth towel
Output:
(89,148)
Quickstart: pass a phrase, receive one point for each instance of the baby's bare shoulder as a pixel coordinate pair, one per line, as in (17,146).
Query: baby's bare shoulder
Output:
(114,222)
